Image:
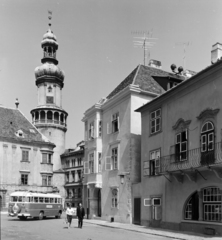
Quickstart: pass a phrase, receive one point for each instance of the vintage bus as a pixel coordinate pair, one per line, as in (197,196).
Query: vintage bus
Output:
(25,204)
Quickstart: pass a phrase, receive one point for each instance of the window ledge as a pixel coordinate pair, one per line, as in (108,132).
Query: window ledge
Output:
(153,134)
(117,141)
(202,222)
(25,161)
(46,163)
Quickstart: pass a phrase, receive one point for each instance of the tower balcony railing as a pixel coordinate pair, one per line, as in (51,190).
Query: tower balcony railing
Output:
(192,159)
(51,121)
(49,54)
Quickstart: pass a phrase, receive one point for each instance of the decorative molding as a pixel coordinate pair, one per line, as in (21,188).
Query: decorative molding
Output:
(208,112)
(181,121)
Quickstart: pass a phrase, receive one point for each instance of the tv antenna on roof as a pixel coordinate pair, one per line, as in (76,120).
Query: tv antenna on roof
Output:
(184,44)
(146,42)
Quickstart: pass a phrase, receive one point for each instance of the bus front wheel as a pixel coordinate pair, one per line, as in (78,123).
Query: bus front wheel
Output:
(41,215)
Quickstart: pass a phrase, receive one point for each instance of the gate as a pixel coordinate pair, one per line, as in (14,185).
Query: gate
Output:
(137,209)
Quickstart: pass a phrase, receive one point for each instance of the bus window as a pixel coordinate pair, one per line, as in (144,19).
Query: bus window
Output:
(59,200)
(55,200)
(51,200)
(14,199)
(41,199)
(46,200)
(30,199)
(20,199)
(24,199)
(36,199)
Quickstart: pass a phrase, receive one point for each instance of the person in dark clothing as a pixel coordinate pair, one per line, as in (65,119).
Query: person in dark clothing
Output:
(80,215)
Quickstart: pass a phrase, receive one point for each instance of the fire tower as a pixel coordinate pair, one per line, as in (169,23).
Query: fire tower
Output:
(49,116)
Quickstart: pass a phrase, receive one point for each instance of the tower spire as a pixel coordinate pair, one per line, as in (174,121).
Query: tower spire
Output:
(50,18)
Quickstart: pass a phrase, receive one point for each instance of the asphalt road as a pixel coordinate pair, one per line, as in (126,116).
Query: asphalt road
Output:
(56,229)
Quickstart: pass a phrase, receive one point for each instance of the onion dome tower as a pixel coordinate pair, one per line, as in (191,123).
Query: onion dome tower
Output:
(49,116)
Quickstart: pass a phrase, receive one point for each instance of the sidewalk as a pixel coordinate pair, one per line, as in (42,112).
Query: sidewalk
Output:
(157,232)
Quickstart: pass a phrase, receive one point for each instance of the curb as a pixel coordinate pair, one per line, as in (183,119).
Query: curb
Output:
(151,233)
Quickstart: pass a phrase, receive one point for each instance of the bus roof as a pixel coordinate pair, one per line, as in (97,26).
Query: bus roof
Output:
(34,194)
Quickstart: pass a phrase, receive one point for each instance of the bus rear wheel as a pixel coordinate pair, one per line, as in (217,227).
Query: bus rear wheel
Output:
(59,215)
(41,215)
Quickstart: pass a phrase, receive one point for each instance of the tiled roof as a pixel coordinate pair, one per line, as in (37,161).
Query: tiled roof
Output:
(143,77)
(14,125)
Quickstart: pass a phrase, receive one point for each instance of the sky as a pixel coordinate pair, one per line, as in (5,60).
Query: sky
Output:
(96,49)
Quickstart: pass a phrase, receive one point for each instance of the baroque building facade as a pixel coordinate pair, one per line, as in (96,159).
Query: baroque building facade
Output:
(26,156)
(181,182)
(112,143)
(72,166)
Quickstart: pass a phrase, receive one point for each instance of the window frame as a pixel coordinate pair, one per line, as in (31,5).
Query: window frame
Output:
(91,162)
(154,120)
(154,163)
(47,179)
(91,130)
(115,122)
(25,155)
(114,157)
(114,198)
(25,178)
(179,144)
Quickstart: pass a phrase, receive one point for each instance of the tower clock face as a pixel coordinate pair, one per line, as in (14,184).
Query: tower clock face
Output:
(49,99)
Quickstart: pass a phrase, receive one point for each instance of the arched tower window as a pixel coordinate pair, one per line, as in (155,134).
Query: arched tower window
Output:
(42,115)
(62,118)
(36,116)
(56,117)
(207,144)
(49,115)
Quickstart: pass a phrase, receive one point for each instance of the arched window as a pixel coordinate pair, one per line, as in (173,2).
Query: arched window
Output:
(207,144)
(49,115)
(42,115)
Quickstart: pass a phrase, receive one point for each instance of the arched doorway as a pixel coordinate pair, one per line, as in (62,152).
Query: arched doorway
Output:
(192,207)
(207,144)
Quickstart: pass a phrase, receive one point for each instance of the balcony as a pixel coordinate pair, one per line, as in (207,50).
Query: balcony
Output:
(195,160)
(36,122)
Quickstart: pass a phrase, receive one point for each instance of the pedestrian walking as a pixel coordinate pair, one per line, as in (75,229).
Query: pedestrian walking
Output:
(80,215)
(69,212)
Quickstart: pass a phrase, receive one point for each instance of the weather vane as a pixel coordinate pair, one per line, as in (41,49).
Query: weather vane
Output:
(50,17)
(145,43)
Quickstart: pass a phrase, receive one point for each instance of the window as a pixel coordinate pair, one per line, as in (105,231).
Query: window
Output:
(25,155)
(79,175)
(155,121)
(99,162)
(100,128)
(73,176)
(115,158)
(46,180)
(47,158)
(91,163)
(73,162)
(91,130)
(114,198)
(67,177)
(115,122)
(24,179)
(181,146)
(212,204)
(67,163)
(207,144)
(154,162)
(49,99)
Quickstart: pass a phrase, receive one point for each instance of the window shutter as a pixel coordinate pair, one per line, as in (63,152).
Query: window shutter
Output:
(108,164)
(118,122)
(86,167)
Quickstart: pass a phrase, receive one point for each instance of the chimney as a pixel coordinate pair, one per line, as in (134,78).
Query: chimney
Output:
(155,64)
(16,103)
(216,52)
